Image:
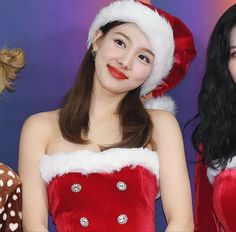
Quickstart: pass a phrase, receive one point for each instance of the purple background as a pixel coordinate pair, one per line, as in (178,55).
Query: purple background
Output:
(53,35)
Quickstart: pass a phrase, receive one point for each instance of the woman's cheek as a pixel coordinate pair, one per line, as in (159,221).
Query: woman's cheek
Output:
(232,68)
(143,73)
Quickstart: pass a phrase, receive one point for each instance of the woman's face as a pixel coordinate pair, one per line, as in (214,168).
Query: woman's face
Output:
(232,59)
(124,58)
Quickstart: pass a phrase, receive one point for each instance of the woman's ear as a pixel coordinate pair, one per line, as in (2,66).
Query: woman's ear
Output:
(97,40)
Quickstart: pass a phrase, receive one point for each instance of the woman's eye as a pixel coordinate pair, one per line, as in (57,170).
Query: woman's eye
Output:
(144,58)
(233,54)
(120,43)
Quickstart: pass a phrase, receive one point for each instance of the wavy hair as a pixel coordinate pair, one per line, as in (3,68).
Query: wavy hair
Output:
(214,136)
(11,62)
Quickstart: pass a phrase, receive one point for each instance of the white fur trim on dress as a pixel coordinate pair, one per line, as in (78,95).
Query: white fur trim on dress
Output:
(108,161)
(212,173)
(155,26)
(161,103)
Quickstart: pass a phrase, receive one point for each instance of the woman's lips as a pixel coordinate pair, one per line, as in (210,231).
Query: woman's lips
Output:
(116,73)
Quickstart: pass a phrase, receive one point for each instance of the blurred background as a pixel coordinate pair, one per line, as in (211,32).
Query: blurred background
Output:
(53,35)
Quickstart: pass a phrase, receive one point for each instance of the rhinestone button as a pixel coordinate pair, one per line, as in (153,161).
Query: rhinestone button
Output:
(76,188)
(121,186)
(122,219)
(84,222)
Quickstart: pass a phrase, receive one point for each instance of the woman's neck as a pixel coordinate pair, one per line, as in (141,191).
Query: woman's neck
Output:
(104,102)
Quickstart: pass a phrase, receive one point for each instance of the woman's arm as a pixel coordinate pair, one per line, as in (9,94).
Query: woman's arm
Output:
(174,181)
(34,137)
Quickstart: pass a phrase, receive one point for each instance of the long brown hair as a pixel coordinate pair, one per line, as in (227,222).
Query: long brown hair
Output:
(134,120)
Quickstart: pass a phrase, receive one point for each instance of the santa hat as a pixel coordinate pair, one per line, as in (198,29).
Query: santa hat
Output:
(170,40)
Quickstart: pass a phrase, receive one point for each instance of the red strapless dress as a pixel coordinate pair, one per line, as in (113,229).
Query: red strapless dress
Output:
(215,201)
(113,190)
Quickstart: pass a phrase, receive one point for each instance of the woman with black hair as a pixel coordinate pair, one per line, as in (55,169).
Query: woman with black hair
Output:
(215,135)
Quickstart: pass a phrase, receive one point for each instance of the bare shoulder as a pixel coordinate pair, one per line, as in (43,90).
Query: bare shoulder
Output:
(166,130)
(42,120)
(48,116)
(40,125)
(163,119)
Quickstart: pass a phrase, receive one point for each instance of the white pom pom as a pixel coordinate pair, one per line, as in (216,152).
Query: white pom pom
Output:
(161,103)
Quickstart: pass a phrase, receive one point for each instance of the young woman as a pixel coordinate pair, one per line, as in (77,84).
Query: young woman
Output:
(215,135)
(105,158)
(11,62)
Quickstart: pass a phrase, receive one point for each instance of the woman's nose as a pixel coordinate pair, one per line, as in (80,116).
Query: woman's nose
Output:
(125,60)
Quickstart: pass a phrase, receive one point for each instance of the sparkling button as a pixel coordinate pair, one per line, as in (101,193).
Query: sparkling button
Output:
(84,222)
(76,188)
(122,219)
(121,186)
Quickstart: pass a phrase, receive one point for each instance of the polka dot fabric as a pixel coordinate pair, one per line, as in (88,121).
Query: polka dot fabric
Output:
(10,200)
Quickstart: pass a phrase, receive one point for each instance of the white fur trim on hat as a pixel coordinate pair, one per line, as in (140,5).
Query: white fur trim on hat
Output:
(156,28)
(108,161)
(161,103)
(212,173)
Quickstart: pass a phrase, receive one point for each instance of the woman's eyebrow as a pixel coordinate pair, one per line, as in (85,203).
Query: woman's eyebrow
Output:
(149,51)
(128,38)
(120,33)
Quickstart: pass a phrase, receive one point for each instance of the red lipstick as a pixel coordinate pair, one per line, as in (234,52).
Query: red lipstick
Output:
(116,73)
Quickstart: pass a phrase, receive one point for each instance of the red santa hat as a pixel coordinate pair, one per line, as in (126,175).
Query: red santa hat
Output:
(170,40)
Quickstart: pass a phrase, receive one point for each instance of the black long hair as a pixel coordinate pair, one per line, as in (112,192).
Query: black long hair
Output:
(215,134)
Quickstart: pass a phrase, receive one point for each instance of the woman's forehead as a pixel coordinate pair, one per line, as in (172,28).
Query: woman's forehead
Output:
(233,36)
(132,32)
